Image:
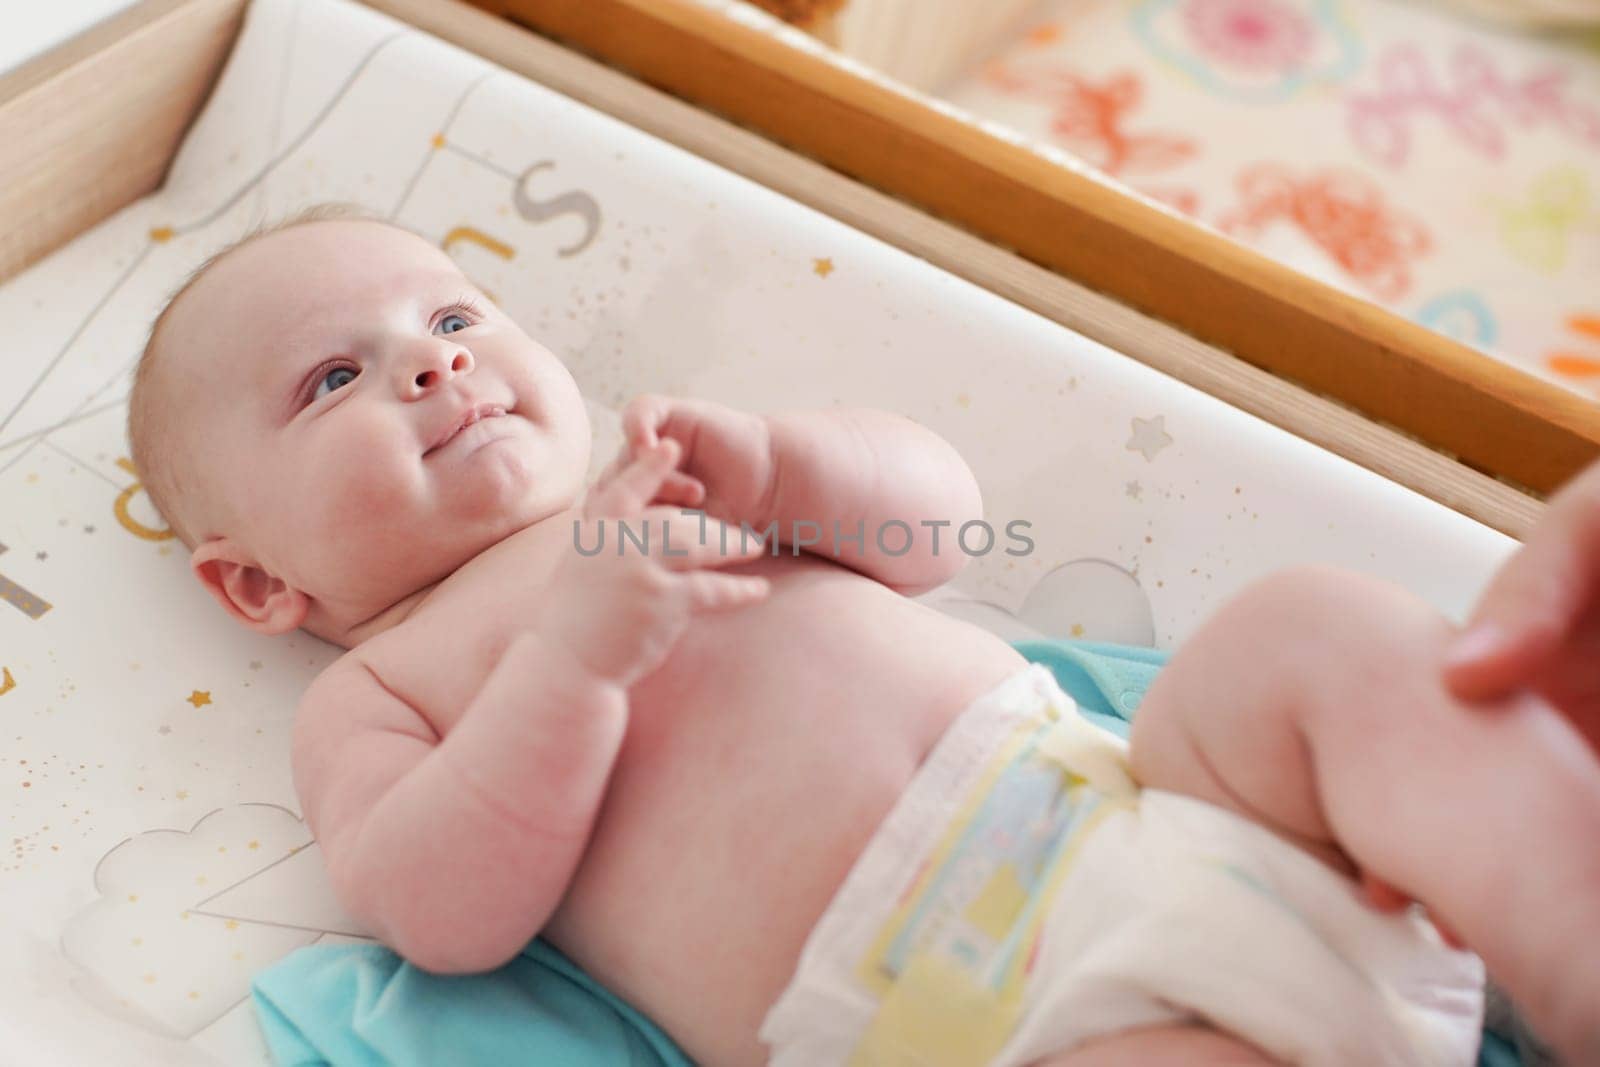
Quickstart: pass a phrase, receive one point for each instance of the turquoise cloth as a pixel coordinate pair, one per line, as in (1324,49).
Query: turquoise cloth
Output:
(363,1006)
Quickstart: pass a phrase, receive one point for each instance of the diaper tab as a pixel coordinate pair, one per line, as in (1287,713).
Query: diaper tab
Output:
(951,964)
(1085,750)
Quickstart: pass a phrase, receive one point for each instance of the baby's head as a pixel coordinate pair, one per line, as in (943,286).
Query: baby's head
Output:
(288,413)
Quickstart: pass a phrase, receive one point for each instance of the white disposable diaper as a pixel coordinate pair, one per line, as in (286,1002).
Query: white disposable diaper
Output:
(1023,897)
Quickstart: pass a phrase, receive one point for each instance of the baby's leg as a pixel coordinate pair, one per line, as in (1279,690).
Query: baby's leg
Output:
(1311,704)
(1162,1046)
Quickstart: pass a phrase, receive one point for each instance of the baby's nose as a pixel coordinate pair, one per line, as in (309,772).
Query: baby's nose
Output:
(435,367)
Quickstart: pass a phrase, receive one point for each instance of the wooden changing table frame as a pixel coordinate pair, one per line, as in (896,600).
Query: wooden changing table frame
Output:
(93,125)
(1493,416)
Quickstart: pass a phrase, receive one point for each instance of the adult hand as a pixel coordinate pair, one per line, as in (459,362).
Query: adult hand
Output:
(1538,625)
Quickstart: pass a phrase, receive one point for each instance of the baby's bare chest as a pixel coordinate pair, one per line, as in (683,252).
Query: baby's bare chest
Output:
(824,634)
(758,760)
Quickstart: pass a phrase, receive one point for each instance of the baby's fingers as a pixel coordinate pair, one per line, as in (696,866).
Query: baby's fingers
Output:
(637,483)
(713,591)
(682,489)
(695,540)
(642,419)
(614,468)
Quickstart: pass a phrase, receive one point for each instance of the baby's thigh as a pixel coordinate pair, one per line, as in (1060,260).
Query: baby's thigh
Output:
(1228,720)
(1162,1046)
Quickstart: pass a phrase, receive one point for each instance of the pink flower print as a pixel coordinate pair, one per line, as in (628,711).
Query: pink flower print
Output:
(1260,36)
(1471,96)
(1252,51)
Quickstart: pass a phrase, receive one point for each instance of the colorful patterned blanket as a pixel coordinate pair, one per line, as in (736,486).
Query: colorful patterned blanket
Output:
(1447,169)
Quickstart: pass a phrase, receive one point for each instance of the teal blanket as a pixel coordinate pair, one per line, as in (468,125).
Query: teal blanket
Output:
(360,1005)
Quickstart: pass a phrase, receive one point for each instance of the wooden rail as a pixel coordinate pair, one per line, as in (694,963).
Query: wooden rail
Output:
(92,125)
(1490,415)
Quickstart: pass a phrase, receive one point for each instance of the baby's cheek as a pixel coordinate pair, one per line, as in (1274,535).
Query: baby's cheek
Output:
(368,494)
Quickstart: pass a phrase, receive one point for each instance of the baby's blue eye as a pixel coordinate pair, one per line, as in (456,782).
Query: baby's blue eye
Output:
(338,377)
(460,323)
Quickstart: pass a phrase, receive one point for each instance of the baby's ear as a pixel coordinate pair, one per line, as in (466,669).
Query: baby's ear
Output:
(262,602)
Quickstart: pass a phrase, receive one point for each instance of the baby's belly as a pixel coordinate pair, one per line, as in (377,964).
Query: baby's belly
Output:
(759,761)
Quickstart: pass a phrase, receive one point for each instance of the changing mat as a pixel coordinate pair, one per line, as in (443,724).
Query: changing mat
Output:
(155,858)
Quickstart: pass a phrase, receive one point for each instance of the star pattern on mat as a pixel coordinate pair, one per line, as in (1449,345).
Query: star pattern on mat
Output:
(1133,489)
(823,267)
(200,697)
(1149,437)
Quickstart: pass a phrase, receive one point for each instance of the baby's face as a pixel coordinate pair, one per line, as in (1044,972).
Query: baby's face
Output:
(335,370)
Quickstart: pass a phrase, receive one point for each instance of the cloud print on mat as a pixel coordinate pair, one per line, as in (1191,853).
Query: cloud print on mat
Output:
(1084,599)
(185,918)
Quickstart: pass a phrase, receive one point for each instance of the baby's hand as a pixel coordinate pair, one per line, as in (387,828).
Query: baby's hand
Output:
(620,610)
(727,469)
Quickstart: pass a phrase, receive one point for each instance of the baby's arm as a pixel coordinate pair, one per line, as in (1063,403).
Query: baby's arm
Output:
(455,852)
(793,476)
(873,470)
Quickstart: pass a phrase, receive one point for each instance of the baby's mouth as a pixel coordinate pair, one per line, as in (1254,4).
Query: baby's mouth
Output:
(476,413)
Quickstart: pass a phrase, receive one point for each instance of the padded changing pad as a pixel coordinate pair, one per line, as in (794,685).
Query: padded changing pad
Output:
(154,855)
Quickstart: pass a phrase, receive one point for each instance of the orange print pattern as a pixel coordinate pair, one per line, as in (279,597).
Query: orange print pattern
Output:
(1091,118)
(1577,364)
(1344,213)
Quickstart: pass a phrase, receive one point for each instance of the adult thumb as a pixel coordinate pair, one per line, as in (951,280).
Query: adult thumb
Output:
(1534,603)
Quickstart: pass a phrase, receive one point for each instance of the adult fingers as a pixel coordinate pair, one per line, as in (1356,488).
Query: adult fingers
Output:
(1537,601)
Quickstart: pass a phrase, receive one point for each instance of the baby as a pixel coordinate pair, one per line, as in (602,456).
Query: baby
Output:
(768,799)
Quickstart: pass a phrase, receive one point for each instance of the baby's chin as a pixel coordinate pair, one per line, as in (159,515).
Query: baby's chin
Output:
(383,559)
(457,538)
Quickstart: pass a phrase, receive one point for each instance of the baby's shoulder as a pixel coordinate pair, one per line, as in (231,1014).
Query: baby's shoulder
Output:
(434,661)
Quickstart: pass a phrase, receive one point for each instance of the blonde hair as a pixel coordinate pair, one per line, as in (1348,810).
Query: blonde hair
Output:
(165,471)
